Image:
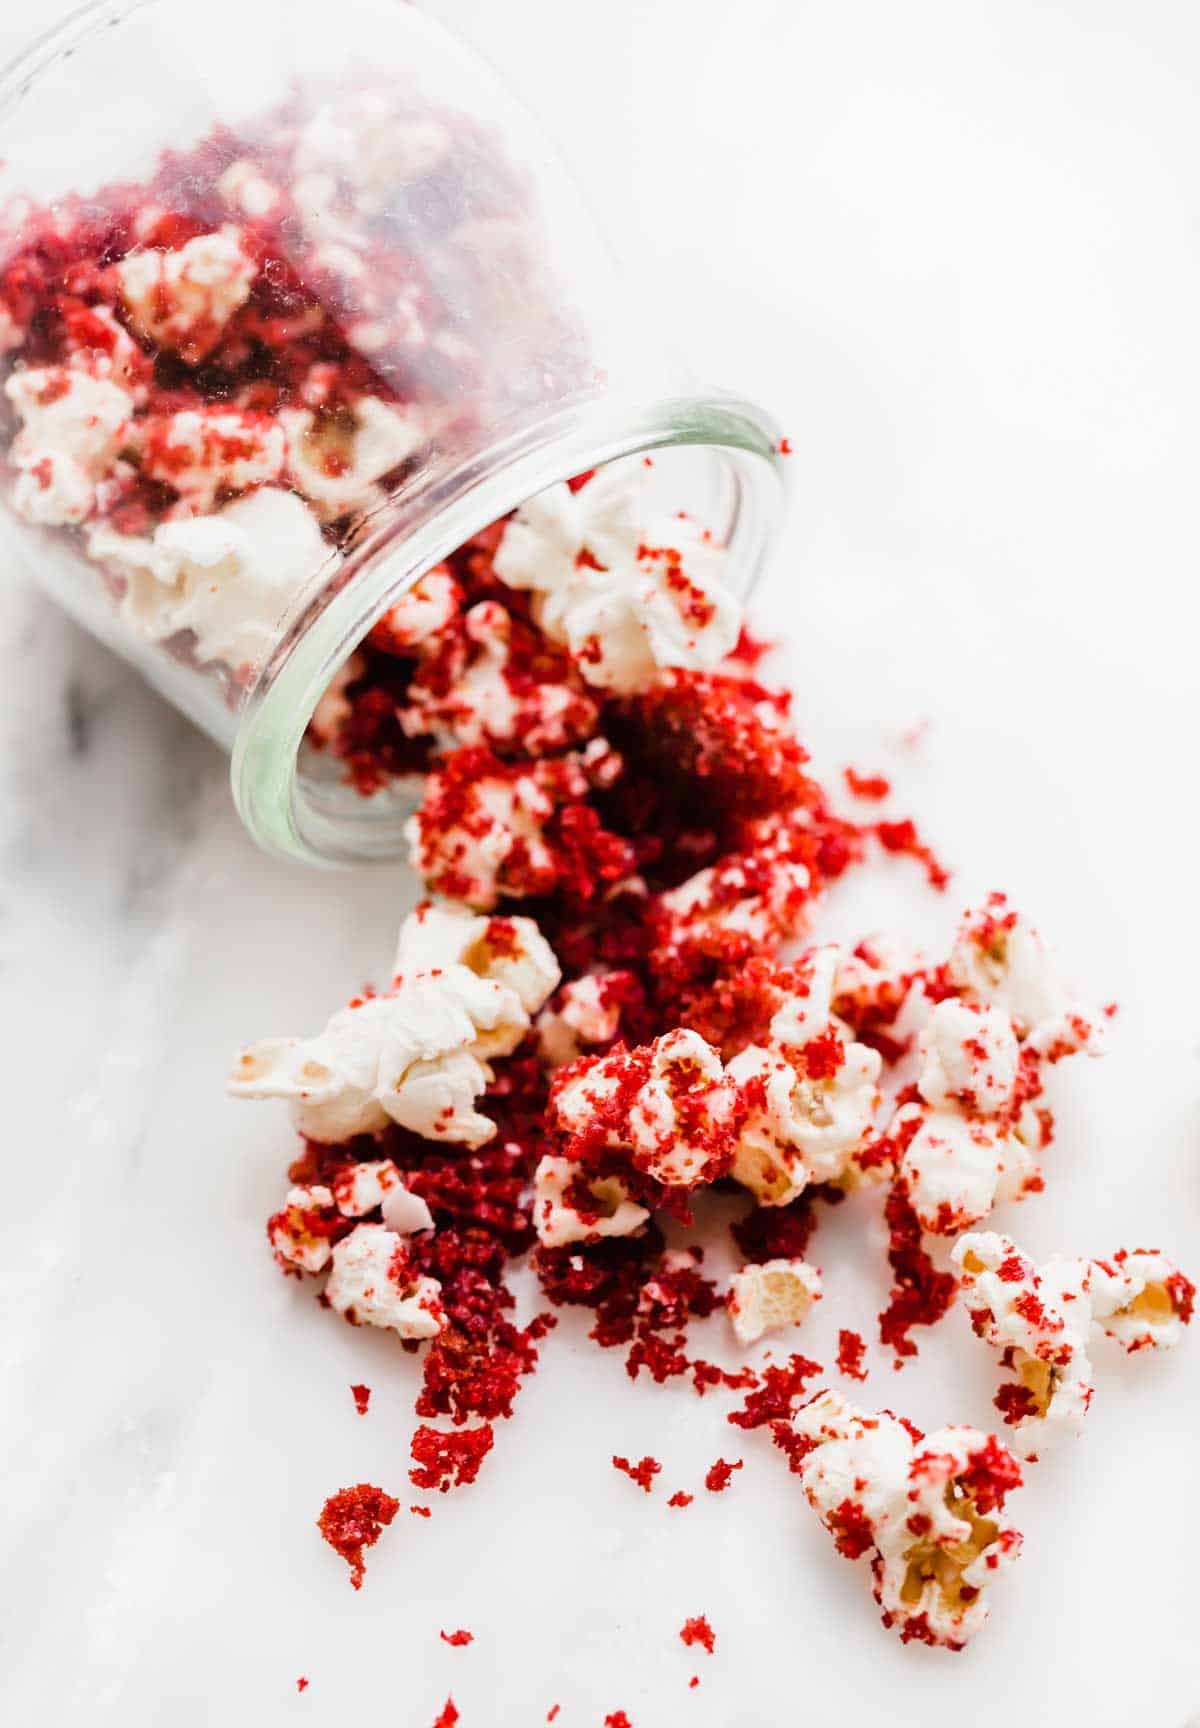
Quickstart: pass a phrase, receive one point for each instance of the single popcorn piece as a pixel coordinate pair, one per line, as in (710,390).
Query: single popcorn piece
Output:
(479,688)
(338,458)
(507,951)
(227,578)
(73,427)
(371,1283)
(956,1168)
(302,1233)
(629,594)
(418,1055)
(184,298)
(1040,1318)
(667,1105)
(969,1057)
(748,902)
(807,1096)
(776,1293)
(247,190)
(571,1206)
(206,453)
(587,1013)
(1000,960)
(928,1509)
(422,615)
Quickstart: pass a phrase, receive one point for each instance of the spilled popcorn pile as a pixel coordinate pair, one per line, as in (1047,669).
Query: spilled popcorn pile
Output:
(612,1002)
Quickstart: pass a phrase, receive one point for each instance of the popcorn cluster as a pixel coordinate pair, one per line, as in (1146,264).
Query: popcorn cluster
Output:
(616,1002)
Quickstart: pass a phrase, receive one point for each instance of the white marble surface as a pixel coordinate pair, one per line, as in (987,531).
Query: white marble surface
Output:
(955,245)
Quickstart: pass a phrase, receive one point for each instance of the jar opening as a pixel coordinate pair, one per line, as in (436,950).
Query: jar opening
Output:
(719,457)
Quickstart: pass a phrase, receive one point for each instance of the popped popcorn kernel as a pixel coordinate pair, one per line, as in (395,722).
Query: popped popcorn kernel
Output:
(771,1295)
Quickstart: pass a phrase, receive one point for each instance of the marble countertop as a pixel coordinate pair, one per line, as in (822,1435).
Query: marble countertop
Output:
(956,248)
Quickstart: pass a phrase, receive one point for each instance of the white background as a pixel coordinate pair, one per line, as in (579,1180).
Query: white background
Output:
(955,247)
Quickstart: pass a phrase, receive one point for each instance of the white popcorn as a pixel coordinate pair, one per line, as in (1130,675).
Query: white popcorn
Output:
(801,1127)
(361,1188)
(928,1510)
(1000,960)
(762,896)
(587,1013)
(405,1212)
(184,298)
(228,578)
(509,951)
(418,1055)
(767,1296)
(969,1057)
(673,1106)
(1041,1317)
(338,460)
(558,1222)
(204,452)
(430,606)
(627,593)
(957,1167)
(298,1234)
(73,427)
(371,1283)
(244,186)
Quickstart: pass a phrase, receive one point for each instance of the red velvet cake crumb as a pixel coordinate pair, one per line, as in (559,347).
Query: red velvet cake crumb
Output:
(850,1352)
(302,1683)
(719,1474)
(643,1472)
(698,1631)
(868,786)
(779,1390)
(679,1498)
(617,1719)
(458,1640)
(354,1519)
(448,1716)
(443,1461)
(362,1397)
(921,1294)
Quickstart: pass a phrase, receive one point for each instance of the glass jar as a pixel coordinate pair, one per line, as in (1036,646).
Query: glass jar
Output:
(293,302)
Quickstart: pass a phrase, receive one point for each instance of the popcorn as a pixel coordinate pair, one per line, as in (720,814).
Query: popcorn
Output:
(427,610)
(969,1057)
(955,1168)
(479,688)
(626,594)
(507,951)
(666,1104)
(204,453)
(1040,1318)
(247,189)
(337,459)
(418,1055)
(301,1234)
(1000,960)
(183,299)
(807,1097)
(569,1205)
(371,1283)
(747,902)
(228,578)
(927,1508)
(73,426)
(767,1296)
(588,1012)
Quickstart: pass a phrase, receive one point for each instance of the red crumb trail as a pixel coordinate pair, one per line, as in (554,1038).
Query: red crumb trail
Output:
(354,1519)
(698,1631)
(719,1474)
(362,1397)
(643,1472)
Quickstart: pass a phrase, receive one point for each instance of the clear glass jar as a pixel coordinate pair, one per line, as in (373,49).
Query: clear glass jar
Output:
(293,301)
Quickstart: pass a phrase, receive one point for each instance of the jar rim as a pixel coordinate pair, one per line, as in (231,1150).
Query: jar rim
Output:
(273,798)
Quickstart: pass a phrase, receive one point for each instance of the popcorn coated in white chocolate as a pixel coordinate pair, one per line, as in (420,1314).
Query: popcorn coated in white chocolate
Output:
(424,613)
(507,951)
(569,1205)
(586,1013)
(969,1057)
(1040,1318)
(184,298)
(999,959)
(73,426)
(372,1283)
(301,1234)
(758,898)
(337,460)
(769,1296)
(956,1167)
(928,1510)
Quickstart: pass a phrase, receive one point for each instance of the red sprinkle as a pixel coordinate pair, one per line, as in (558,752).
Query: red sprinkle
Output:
(459,1640)
(354,1519)
(643,1472)
(719,1474)
(362,1397)
(698,1631)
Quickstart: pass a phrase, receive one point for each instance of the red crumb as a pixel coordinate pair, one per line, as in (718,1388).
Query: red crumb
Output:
(779,1391)
(903,837)
(302,1683)
(362,1397)
(449,1715)
(458,1639)
(920,1293)
(354,1519)
(421,1511)
(443,1460)
(694,1681)
(679,1498)
(719,1474)
(617,1719)
(553,1712)
(785,446)
(871,786)
(851,1529)
(698,1631)
(851,1349)
(643,1472)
